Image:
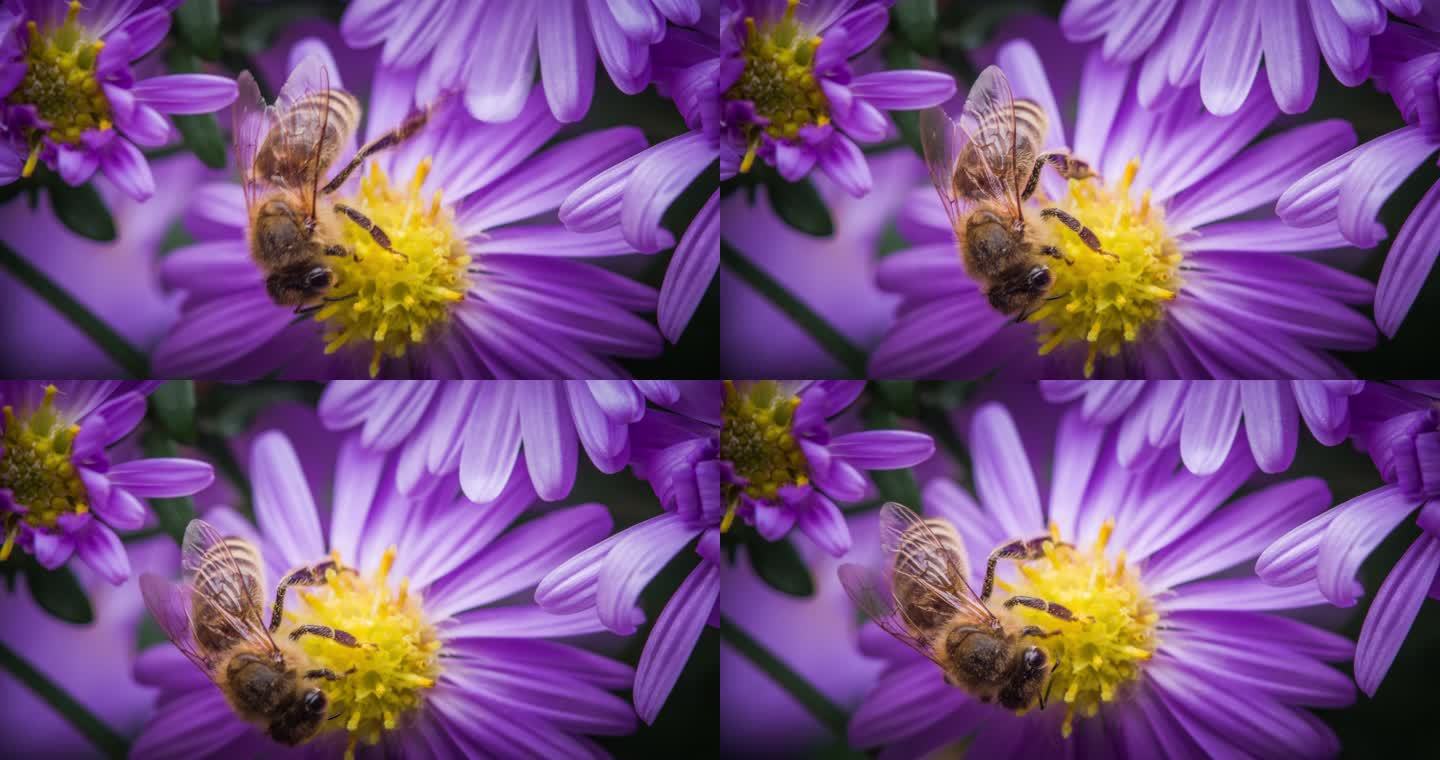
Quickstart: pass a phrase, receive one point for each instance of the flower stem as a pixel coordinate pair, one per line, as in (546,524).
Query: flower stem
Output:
(828,713)
(836,344)
(94,729)
(130,359)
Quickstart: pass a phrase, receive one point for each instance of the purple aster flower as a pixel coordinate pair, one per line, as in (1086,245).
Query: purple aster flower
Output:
(475,293)
(68,96)
(1203,418)
(432,43)
(678,452)
(1219,44)
(1399,426)
(60,495)
(482,428)
(1171,657)
(1189,289)
(91,662)
(788,85)
(1351,188)
(635,193)
(461,674)
(785,467)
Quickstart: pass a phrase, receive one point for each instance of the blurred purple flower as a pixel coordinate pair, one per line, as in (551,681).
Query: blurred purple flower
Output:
(788,85)
(480,428)
(784,467)
(66,87)
(91,662)
(432,44)
(59,492)
(635,193)
(1204,294)
(1219,44)
(490,298)
(490,686)
(1203,418)
(1351,188)
(1399,426)
(678,452)
(1188,662)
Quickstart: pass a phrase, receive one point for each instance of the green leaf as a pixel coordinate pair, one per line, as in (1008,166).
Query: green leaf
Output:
(916,21)
(799,205)
(82,211)
(174,404)
(197,23)
(58,593)
(202,137)
(778,564)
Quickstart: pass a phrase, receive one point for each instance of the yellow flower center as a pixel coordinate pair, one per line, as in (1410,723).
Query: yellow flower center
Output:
(60,82)
(384,679)
(37,470)
(1102,301)
(1114,630)
(756,437)
(779,78)
(395,301)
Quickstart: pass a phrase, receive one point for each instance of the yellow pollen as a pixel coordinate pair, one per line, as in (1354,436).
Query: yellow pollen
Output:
(1102,301)
(756,437)
(779,78)
(36,467)
(60,82)
(394,301)
(384,679)
(1101,651)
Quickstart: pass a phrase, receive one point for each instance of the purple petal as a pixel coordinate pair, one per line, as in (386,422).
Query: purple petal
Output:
(1326,413)
(1003,477)
(492,442)
(883,449)
(692,269)
(673,638)
(841,160)
(1362,524)
(549,435)
(1291,59)
(186,93)
(122,510)
(1292,559)
(146,29)
(567,61)
(668,168)
(522,622)
(1378,169)
(125,165)
(1394,610)
(1271,422)
(284,507)
(821,521)
(632,563)
(100,548)
(162,477)
(1408,264)
(501,70)
(904,90)
(1212,416)
(1232,57)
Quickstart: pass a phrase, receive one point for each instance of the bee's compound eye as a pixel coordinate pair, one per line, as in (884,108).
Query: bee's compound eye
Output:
(1040,278)
(1034,658)
(317,278)
(315,701)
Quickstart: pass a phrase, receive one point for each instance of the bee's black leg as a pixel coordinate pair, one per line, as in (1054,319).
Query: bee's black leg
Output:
(1056,253)
(305,311)
(1051,608)
(1036,631)
(407,128)
(1086,235)
(380,237)
(1067,165)
(339,251)
(314,575)
(343,638)
(1046,696)
(327,674)
(1019,550)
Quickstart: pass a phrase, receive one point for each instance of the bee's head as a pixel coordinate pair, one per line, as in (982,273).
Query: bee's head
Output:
(300,283)
(1027,676)
(300,717)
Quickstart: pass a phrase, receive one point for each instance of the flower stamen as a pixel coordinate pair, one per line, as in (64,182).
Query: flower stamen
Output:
(756,437)
(390,301)
(60,82)
(36,468)
(1100,652)
(384,679)
(779,79)
(1107,301)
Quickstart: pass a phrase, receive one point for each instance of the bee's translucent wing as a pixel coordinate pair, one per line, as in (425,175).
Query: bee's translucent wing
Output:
(227,575)
(1006,136)
(934,563)
(942,140)
(318,120)
(867,588)
(170,604)
(251,122)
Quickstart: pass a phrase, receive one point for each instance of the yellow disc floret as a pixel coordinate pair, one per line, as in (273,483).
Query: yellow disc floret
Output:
(385,678)
(391,300)
(60,82)
(779,78)
(37,469)
(756,437)
(1107,301)
(1113,634)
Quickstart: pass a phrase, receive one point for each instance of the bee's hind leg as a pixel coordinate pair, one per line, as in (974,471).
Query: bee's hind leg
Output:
(312,575)
(327,674)
(340,251)
(1018,550)
(1053,609)
(1056,253)
(380,237)
(344,638)
(1086,235)
(1036,631)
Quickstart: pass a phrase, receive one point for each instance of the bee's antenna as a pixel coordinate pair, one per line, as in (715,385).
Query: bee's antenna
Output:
(1046,696)
(333,717)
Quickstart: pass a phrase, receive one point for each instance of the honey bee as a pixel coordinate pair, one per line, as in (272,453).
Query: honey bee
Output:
(284,151)
(985,166)
(930,606)
(213,616)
